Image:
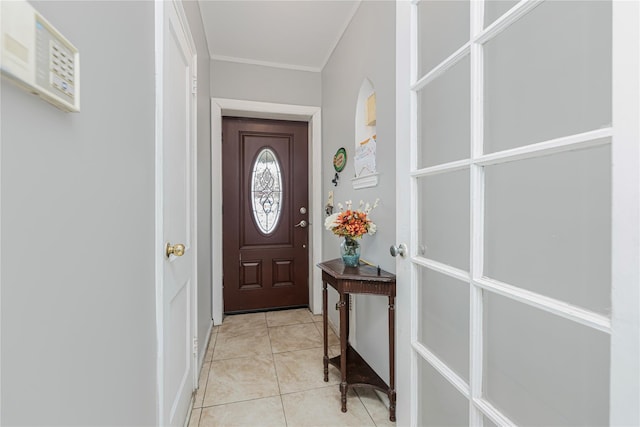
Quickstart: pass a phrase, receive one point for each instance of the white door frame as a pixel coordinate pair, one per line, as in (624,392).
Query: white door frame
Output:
(266,110)
(159,249)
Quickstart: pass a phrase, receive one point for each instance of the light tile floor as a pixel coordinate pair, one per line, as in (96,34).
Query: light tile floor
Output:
(265,369)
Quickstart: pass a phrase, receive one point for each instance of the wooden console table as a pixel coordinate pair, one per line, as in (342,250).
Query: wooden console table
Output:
(354,369)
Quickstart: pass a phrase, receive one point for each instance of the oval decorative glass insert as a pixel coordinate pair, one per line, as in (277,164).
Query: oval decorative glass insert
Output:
(266,190)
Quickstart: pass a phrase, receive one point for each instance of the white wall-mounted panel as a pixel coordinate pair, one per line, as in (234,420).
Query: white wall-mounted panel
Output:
(37,57)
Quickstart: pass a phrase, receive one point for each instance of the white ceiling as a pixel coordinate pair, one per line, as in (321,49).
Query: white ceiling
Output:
(295,34)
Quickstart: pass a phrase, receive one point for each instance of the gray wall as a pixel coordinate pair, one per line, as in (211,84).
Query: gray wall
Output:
(192,10)
(78,292)
(366,50)
(267,84)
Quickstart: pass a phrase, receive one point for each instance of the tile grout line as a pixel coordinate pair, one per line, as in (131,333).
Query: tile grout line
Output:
(212,341)
(297,349)
(284,413)
(238,401)
(241,357)
(304,348)
(329,331)
(275,368)
(309,389)
(366,408)
(212,344)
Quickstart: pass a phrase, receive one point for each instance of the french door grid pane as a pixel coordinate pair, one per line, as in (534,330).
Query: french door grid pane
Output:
(478,407)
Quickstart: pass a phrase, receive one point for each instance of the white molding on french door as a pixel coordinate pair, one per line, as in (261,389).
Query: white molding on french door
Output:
(578,141)
(444,167)
(625,256)
(563,309)
(267,110)
(442,67)
(412,162)
(568,311)
(476,215)
(443,268)
(442,368)
(491,412)
(506,20)
(480,36)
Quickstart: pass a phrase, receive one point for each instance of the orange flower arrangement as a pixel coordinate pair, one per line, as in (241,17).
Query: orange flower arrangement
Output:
(353,223)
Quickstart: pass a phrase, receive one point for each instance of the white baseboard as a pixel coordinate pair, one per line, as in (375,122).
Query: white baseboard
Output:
(202,349)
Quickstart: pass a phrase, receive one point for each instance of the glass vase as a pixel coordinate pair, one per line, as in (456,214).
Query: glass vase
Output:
(350,251)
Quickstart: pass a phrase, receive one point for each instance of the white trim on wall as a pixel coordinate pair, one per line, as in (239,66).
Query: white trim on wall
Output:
(267,110)
(159,283)
(217,307)
(249,61)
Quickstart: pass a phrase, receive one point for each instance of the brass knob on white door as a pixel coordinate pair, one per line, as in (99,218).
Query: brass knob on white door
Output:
(177,249)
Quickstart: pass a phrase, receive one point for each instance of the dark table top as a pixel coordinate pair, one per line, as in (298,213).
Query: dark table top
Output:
(337,269)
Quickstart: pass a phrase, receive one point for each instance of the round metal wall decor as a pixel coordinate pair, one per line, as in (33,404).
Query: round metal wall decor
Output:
(340,159)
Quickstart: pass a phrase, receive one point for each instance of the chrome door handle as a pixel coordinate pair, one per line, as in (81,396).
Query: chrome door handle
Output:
(400,249)
(302,224)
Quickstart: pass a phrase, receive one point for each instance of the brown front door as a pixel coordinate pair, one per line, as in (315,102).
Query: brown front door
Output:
(265,186)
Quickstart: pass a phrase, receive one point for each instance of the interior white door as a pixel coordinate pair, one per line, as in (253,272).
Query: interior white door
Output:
(515,146)
(177,352)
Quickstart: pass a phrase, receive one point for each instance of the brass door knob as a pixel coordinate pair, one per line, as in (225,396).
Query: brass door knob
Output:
(177,249)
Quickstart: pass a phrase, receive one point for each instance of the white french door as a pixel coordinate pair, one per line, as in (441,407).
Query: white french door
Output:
(518,134)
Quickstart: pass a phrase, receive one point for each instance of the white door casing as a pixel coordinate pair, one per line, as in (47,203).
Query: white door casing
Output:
(176,287)
(621,325)
(266,110)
